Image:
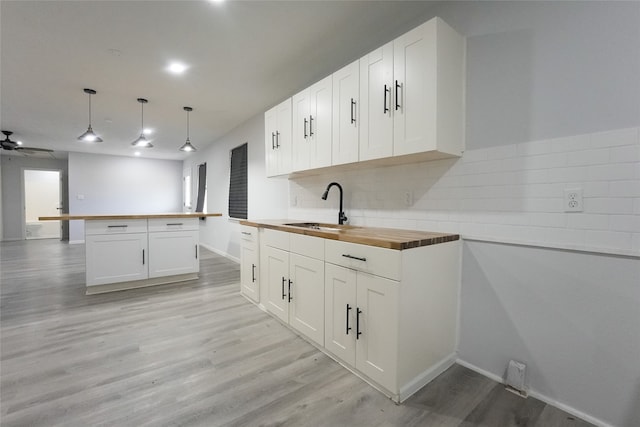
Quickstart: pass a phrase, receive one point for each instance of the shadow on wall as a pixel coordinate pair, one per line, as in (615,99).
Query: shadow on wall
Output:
(499,89)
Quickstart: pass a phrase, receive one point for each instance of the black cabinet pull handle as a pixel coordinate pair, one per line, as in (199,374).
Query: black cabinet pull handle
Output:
(358,313)
(117,226)
(246,233)
(196,251)
(348,327)
(353,111)
(283,294)
(273,140)
(253,272)
(386,90)
(310,125)
(290,282)
(174,224)
(143,257)
(304,128)
(354,257)
(398,86)
(277,139)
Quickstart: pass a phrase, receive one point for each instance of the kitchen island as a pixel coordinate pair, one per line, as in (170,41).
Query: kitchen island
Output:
(127,251)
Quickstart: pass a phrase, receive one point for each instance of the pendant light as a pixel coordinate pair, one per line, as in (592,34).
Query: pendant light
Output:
(142,141)
(187,145)
(89,135)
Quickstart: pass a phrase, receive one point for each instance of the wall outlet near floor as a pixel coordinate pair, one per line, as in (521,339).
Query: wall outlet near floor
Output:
(573,200)
(408,198)
(516,378)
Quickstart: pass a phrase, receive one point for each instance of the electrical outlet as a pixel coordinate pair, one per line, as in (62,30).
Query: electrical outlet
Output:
(573,200)
(408,198)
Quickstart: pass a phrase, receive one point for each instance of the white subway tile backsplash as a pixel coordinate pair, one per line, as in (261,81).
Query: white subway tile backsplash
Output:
(628,153)
(508,193)
(614,138)
(588,157)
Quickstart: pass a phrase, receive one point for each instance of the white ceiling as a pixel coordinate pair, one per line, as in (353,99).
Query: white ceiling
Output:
(243,57)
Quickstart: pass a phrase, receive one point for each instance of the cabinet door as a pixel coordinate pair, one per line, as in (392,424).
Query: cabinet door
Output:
(173,252)
(346,106)
(415,95)
(376,347)
(340,312)
(276,272)
(320,117)
(116,258)
(300,139)
(306,296)
(376,113)
(249,261)
(270,126)
(283,137)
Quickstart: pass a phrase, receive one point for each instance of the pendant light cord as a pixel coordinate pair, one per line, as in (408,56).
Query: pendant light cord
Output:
(187,125)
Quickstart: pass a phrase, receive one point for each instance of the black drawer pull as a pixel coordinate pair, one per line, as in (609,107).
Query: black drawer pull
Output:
(348,327)
(117,226)
(354,257)
(174,224)
(253,272)
(358,333)
(283,294)
(246,233)
(290,282)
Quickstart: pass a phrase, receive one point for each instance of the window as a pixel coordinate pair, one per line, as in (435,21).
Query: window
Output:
(186,190)
(238,183)
(201,202)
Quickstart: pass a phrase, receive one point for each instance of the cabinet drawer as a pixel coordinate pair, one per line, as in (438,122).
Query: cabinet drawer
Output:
(172,224)
(114,226)
(370,259)
(248,234)
(276,239)
(310,246)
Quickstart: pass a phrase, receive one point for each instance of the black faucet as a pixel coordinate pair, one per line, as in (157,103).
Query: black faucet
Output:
(341,216)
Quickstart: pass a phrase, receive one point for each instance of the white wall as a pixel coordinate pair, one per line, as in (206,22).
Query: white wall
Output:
(267,198)
(101,184)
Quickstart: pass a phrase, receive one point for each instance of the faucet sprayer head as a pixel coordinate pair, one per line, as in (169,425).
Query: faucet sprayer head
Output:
(325,194)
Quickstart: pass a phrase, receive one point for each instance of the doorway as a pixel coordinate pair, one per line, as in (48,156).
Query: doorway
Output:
(42,197)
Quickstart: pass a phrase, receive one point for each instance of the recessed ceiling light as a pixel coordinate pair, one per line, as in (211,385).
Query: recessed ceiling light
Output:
(147,131)
(177,68)
(216,1)
(137,153)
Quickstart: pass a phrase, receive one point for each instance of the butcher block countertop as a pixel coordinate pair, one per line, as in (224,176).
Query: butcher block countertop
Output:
(390,238)
(65,217)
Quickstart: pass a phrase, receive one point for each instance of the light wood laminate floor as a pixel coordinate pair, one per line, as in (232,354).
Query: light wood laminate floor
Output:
(196,354)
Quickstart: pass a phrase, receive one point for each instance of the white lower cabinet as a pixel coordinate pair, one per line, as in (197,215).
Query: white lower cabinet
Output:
(249,261)
(390,316)
(295,282)
(139,250)
(115,258)
(361,318)
(173,252)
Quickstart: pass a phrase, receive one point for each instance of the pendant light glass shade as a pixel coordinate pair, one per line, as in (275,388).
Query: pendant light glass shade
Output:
(142,141)
(187,146)
(89,135)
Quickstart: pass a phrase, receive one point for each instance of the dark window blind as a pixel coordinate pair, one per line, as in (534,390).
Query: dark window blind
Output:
(202,186)
(238,183)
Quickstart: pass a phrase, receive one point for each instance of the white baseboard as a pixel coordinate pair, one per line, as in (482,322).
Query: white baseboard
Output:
(76,242)
(219,252)
(426,377)
(537,395)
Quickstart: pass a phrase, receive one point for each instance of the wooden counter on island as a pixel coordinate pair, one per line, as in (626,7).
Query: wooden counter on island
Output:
(127,251)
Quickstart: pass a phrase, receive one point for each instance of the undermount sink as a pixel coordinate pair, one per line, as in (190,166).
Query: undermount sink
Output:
(318,226)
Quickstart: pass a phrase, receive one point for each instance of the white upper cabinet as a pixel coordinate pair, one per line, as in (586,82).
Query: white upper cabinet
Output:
(346,108)
(428,90)
(277,124)
(402,102)
(376,120)
(312,116)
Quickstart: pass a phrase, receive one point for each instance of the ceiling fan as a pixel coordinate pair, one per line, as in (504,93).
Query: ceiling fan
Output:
(8,144)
